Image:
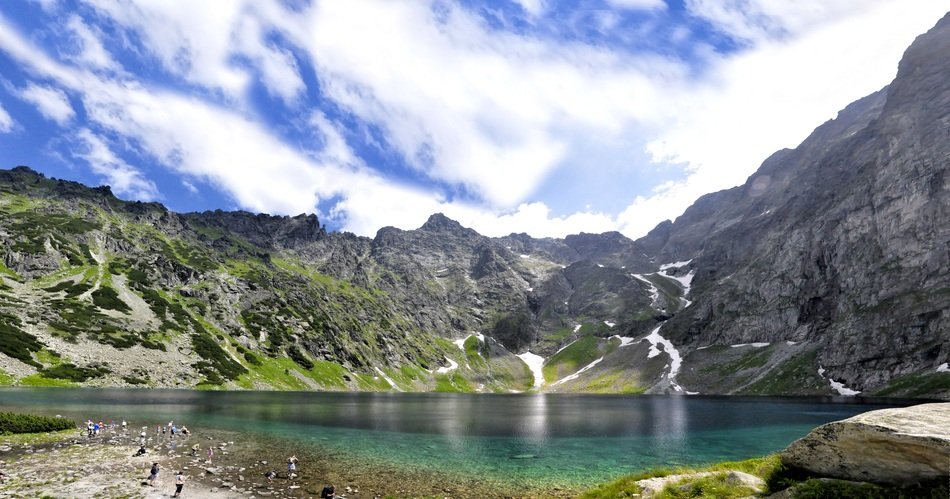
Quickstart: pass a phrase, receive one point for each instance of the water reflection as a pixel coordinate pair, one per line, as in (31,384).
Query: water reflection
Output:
(572,438)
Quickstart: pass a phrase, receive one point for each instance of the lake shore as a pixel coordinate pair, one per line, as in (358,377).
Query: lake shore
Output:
(71,464)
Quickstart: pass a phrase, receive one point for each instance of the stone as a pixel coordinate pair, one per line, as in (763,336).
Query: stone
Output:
(903,446)
(649,487)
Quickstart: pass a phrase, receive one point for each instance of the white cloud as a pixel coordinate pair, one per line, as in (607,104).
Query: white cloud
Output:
(534,8)
(124,179)
(495,112)
(89,50)
(6,122)
(203,41)
(52,103)
(638,4)
(467,105)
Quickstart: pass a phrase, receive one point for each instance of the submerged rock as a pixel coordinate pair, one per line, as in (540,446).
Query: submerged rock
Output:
(902,446)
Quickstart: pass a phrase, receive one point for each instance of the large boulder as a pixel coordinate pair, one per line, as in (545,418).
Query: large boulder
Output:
(894,446)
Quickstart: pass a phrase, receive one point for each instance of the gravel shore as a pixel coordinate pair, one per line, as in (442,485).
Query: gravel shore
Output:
(73,465)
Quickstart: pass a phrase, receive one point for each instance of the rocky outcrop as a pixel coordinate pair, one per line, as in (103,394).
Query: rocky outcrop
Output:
(903,446)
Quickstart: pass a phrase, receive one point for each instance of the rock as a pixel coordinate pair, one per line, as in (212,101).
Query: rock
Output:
(892,446)
(652,486)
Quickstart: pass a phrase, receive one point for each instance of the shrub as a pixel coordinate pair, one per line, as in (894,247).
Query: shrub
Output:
(74,373)
(299,358)
(11,422)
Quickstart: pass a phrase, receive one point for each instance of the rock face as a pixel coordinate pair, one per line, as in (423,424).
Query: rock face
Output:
(893,446)
(827,272)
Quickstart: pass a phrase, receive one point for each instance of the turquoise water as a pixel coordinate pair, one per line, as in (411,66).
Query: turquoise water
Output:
(570,440)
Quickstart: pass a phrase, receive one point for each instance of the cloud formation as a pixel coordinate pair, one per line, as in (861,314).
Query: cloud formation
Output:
(378,113)
(52,103)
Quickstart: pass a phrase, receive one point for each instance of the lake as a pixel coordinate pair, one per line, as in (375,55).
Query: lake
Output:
(516,442)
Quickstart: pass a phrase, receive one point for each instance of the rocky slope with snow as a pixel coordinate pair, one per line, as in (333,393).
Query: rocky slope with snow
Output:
(825,273)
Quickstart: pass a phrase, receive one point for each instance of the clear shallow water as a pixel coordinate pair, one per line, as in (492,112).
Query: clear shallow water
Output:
(530,440)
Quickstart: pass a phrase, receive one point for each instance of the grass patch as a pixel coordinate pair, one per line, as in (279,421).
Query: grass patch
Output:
(918,384)
(756,358)
(762,467)
(573,357)
(788,376)
(453,382)
(40,380)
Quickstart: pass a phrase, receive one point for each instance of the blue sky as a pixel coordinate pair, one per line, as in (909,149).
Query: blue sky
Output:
(539,116)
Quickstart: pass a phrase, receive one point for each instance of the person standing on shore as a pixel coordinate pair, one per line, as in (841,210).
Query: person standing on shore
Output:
(292,466)
(153,475)
(179,483)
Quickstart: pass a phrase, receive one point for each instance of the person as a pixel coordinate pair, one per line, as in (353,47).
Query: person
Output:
(184,430)
(153,475)
(179,483)
(140,452)
(270,475)
(291,466)
(194,450)
(3,478)
(327,492)
(125,425)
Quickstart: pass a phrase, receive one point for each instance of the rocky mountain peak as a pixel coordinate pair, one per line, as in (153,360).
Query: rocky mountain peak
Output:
(441,223)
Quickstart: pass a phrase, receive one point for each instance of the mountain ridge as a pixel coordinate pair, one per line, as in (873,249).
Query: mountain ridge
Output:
(824,273)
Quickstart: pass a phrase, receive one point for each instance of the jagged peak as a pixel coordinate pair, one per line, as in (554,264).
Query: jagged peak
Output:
(438,222)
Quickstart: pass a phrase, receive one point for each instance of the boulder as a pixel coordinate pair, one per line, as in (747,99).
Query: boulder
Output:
(902,446)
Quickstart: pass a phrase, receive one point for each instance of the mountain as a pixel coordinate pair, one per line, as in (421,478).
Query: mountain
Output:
(827,272)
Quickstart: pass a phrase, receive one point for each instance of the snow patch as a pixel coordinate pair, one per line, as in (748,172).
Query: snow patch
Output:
(703,348)
(837,385)
(451,367)
(685,281)
(675,265)
(943,368)
(577,328)
(656,339)
(841,389)
(790,343)
(654,292)
(525,256)
(578,373)
(624,340)
(529,289)
(534,363)
(753,345)
(610,324)
(388,379)
(599,265)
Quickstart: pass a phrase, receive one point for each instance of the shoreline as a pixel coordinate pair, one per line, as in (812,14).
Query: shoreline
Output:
(71,464)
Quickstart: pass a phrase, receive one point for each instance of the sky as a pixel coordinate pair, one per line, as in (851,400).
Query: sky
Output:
(547,117)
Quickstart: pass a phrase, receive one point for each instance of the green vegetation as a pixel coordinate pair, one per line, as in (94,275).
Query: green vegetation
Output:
(917,384)
(216,360)
(452,382)
(619,382)
(788,377)
(40,380)
(71,372)
(777,477)
(107,298)
(767,468)
(758,357)
(573,357)
(297,356)
(16,342)
(11,422)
